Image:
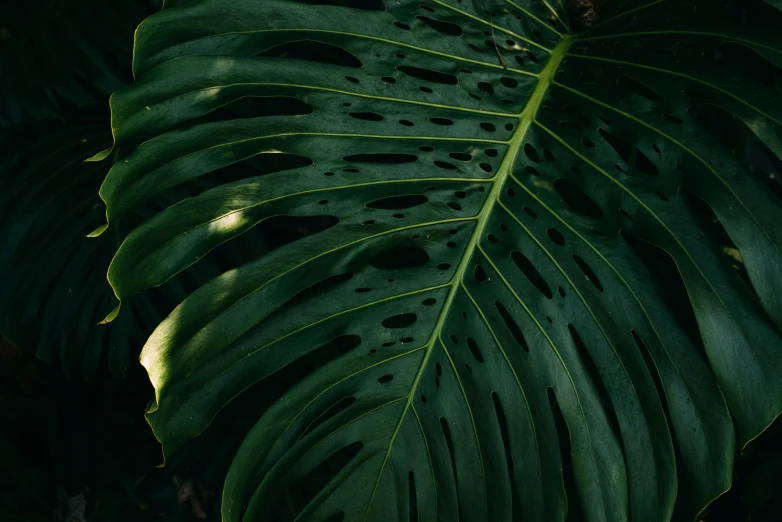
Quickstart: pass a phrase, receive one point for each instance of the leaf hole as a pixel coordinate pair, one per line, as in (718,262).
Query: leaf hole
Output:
(531,273)
(531,152)
(367,116)
(400,258)
(474,350)
(512,326)
(577,199)
(441,26)
(486,87)
(639,89)
(313,51)
(428,75)
(502,421)
(399,321)
(631,154)
(445,165)
(509,82)
(588,272)
(398,202)
(555,236)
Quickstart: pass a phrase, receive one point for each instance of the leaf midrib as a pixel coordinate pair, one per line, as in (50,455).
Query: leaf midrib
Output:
(526,119)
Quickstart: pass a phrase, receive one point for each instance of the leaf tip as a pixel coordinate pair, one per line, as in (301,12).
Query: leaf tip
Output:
(112,315)
(98,231)
(100,156)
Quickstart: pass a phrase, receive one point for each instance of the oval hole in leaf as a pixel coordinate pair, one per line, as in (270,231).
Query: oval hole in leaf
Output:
(399,321)
(428,75)
(577,199)
(474,350)
(448,28)
(257,106)
(588,272)
(509,82)
(594,374)
(258,165)
(412,500)
(531,152)
(281,230)
(313,51)
(529,270)
(366,116)
(392,159)
(512,326)
(402,257)
(398,202)
(638,88)
(506,443)
(556,236)
(631,154)
(486,87)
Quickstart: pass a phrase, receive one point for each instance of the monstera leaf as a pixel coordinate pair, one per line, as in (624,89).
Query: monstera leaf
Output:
(540,278)
(56,54)
(52,296)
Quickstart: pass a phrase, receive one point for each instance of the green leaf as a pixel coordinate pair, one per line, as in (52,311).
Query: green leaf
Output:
(51,298)
(508,226)
(53,294)
(54,56)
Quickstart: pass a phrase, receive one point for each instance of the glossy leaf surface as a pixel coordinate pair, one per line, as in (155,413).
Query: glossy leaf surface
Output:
(547,281)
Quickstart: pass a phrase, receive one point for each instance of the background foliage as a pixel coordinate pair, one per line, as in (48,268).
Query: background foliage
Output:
(73,441)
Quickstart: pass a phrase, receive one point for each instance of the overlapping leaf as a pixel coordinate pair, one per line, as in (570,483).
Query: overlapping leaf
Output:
(64,53)
(529,251)
(51,298)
